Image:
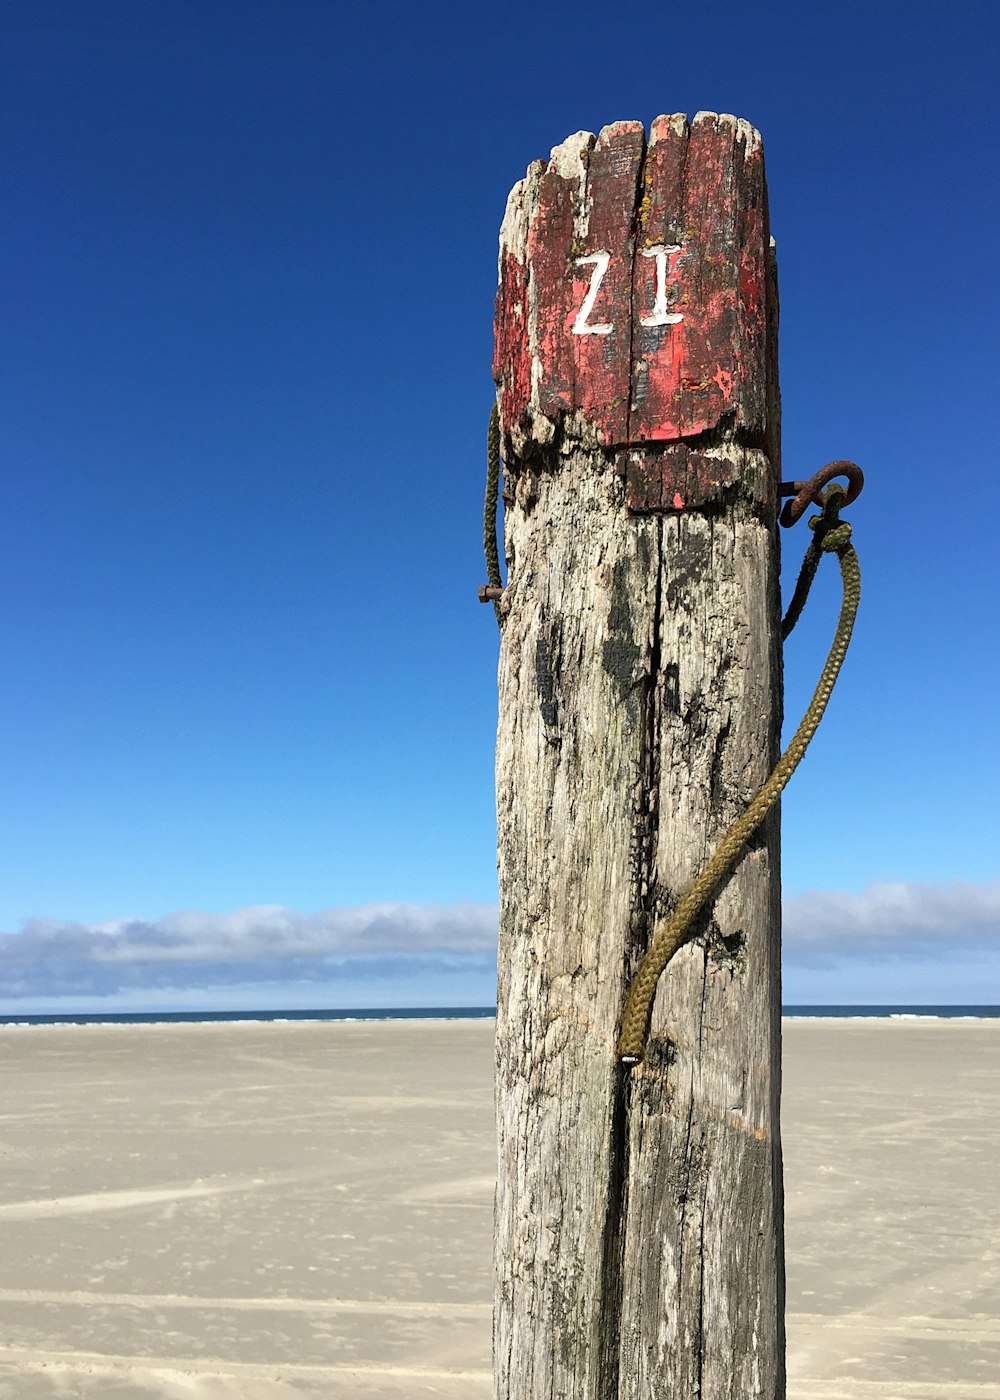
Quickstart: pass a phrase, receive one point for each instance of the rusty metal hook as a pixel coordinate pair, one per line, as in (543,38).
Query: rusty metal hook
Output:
(809,492)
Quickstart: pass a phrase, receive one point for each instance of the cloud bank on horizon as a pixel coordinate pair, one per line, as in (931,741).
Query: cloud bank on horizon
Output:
(261,944)
(900,918)
(270,944)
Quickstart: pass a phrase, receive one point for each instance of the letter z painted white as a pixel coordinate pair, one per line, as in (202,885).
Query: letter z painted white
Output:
(580,326)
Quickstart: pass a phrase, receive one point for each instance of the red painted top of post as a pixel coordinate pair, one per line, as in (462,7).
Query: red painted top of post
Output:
(633,285)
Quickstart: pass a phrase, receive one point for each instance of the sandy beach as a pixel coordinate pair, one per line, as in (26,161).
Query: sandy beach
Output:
(269,1211)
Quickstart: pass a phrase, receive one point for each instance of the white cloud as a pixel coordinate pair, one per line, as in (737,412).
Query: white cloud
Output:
(261,943)
(899,918)
(398,944)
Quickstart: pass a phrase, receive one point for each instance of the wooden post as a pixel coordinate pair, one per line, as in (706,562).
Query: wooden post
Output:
(638,1225)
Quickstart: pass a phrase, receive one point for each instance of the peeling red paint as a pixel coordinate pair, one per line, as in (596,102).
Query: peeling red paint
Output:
(686,376)
(601,362)
(671,477)
(550,243)
(644,301)
(511,351)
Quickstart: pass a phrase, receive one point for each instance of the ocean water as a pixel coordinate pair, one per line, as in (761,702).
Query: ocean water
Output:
(158,1018)
(451,1013)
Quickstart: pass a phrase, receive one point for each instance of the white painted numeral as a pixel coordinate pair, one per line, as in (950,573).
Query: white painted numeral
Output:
(580,327)
(660,315)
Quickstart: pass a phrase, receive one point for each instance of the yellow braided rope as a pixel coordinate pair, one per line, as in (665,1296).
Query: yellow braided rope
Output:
(831,535)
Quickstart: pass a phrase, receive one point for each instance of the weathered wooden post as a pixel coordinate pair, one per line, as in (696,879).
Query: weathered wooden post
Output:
(639,1226)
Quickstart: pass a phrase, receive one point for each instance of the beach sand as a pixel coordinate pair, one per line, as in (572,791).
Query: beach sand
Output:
(279,1211)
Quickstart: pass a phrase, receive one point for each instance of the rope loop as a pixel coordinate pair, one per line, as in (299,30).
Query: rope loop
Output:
(830,535)
(835,539)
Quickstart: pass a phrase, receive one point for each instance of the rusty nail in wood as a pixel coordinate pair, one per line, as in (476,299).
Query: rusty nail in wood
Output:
(489,594)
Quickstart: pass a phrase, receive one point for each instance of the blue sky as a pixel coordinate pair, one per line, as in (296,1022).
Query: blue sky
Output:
(248,272)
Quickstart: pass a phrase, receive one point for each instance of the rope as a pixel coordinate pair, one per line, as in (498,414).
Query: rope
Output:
(831,535)
(490,507)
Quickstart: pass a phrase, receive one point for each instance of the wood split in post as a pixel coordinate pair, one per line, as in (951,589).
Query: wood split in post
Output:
(638,1228)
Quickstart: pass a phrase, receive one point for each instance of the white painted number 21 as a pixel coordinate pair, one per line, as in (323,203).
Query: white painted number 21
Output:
(659,316)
